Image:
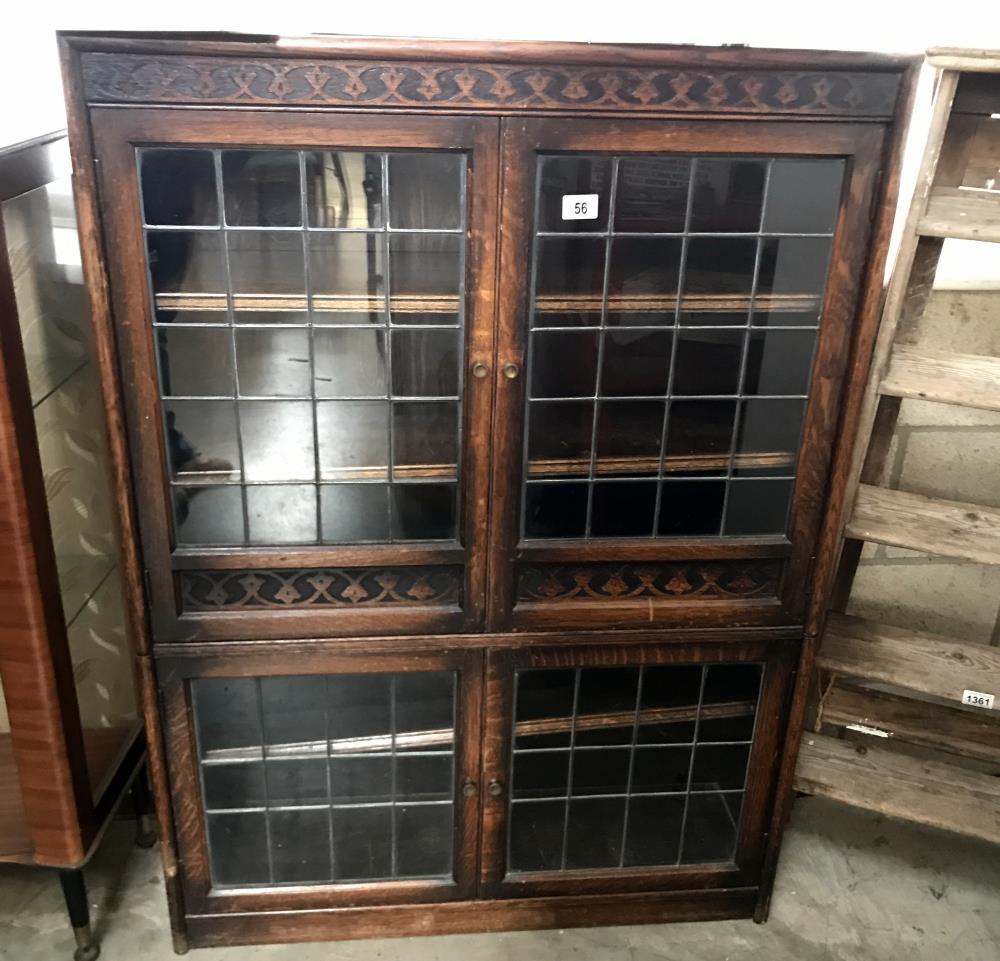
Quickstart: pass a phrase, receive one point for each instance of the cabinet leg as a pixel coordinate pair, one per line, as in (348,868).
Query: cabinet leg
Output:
(145,834)
(75,892)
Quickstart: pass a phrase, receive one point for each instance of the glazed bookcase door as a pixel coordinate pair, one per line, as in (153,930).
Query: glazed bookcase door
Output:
(352,780)
(646,768)
(676,320)
(304,308)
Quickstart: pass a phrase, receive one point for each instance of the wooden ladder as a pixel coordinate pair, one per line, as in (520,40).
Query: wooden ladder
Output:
(899,747)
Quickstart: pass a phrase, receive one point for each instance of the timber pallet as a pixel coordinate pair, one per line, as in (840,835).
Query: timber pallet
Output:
(895,730)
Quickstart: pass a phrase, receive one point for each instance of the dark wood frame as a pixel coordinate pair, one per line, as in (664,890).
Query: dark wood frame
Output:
(862,146)
(775,650)
(63,819)
(175,697)
(117,133)
(579,80)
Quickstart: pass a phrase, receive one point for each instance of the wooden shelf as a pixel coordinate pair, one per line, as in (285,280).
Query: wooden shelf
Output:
(449,304)
(962,215)
(908,659)
(968,732)
(948,528)
(968,380)
(877,779)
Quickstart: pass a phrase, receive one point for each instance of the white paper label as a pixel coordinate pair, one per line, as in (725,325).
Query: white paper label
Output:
(579,206)
(977,698)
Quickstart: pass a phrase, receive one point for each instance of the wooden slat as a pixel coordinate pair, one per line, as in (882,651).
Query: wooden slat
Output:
(906,658)
(948,528)
(961,215)
(878,779)
(968,380)
(966,732)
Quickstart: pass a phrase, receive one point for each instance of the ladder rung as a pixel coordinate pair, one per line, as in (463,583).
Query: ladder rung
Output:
(929,792)
(962,215)
(968,380)
(968,733)
(909,659)
(948,528)
(927,524)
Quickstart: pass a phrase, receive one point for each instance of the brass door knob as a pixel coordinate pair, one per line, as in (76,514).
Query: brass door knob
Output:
(495,788)
(469,788)
(510,371)
(480,370)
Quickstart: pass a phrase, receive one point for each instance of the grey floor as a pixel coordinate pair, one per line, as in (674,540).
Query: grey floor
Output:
(851,886)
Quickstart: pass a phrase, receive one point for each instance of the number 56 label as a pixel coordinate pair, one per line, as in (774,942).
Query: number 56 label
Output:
(579,206)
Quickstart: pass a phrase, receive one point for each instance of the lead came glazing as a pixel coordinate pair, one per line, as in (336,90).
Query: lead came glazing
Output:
(690,310)
(310,342)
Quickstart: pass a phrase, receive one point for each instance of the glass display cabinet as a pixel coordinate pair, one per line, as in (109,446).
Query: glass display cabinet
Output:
(480,408)
(70,734)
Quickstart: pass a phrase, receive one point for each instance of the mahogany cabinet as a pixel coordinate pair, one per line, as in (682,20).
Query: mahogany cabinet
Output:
(70,736)
(479,408)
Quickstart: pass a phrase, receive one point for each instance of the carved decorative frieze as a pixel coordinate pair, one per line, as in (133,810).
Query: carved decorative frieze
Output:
(135,78)
(320,587)
(687,580)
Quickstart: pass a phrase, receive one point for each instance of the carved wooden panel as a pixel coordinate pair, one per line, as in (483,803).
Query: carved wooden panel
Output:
(686,580)
(134,78)
(319,587)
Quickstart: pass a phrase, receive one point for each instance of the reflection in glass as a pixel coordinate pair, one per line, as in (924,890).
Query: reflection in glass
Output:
(425,439)
(425,191)
(208,515)
(779,362)
(610,768)
(370,754)
(185,261)
(699,435)
(350,363)
(166,206)
(573,175)
(285,301)
(265,262)
(201,440)
(344,189)
(564,363)
(635,362)
(273,362)
(629,432)
(277,440)
(195,362)
(282,514)
(354,512)
(757,507)
(261,188)
(423,512)
(803,196)
(727,195)
(652,194)
(425,363)
(353,440)
(559,438)
(708,362)
(347,270)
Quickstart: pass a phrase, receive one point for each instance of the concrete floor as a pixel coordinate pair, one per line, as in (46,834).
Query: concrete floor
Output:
(851,886)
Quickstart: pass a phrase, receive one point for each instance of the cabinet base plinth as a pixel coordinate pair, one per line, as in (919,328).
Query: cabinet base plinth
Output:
(469,917)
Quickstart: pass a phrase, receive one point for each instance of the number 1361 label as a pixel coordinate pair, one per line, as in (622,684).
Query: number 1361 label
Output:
(579,206)
(977,699)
